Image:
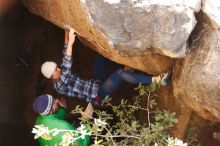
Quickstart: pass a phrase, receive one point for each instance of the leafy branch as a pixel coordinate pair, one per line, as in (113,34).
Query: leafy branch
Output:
(121,127)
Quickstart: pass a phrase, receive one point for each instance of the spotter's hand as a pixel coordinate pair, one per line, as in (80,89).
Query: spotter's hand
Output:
(87,114)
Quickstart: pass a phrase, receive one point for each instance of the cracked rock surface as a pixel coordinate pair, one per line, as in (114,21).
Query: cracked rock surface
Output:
(196,79)
(136,27)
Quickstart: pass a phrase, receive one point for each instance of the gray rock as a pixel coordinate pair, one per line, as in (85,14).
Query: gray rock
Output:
(212,9)
(135,27)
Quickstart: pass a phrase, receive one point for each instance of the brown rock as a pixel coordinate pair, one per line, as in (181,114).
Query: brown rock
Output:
(183,113)
(75,14)
(196,78)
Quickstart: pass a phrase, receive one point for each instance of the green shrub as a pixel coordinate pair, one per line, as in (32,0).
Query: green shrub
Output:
(121,126)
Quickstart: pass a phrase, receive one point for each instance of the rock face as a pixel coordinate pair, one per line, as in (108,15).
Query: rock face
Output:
(126,31)
(212,9)
(196,79)
(183,113)
(145,35)
(136,27)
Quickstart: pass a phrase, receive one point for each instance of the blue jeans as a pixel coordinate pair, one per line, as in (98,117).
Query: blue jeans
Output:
(112,83)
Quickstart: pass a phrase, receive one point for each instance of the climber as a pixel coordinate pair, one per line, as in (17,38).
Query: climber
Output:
(66,83)
(52,112)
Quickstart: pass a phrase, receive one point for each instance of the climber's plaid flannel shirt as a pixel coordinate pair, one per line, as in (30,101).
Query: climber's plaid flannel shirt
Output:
(71,85)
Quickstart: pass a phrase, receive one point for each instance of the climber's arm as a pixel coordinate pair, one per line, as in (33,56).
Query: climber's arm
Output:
(70,40)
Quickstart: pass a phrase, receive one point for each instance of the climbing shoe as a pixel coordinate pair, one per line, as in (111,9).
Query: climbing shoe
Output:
(162,79)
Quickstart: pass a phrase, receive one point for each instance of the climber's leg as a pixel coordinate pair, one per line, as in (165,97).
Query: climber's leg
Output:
(118,78)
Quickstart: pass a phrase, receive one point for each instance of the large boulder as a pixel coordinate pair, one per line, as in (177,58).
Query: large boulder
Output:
(139,34)
(136,27)
(212,9)
(196,78)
